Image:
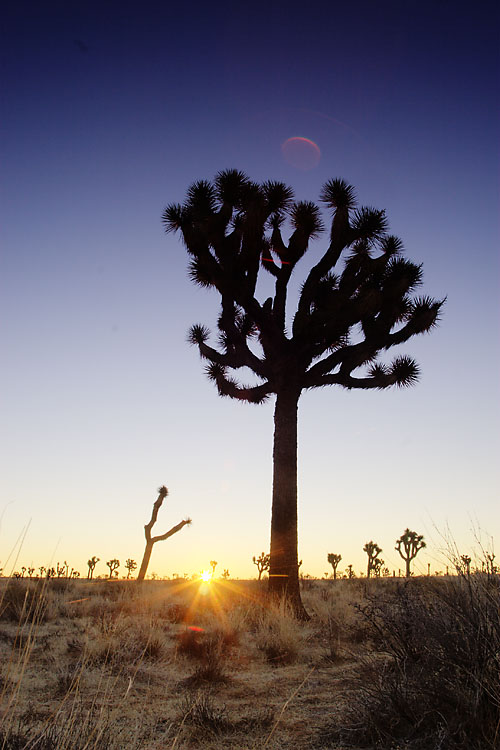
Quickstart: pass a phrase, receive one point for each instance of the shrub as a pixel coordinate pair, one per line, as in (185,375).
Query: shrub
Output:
(24,602)
(438,686)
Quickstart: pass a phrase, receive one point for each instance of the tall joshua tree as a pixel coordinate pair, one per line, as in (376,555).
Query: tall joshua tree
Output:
(232,230)
(151,540)
(411,543)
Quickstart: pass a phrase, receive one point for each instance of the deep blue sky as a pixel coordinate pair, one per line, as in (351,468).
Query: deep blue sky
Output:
(109,111)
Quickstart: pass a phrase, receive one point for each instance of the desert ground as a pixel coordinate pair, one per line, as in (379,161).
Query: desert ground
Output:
(384,663)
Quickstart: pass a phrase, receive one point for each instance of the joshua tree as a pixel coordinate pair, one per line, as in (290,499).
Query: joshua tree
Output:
(131,565)
(30,572)
(412,543)
(334,560)
(150,540)
(350,572)
(92,563)
(23,571)
(226,574)
(213,565)
(355,302)
(42,570)
(262,563)
(113,565)
(373,551)
(377,567)
(466,561)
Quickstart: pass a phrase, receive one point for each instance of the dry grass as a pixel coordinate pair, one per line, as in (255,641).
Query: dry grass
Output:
(112,665)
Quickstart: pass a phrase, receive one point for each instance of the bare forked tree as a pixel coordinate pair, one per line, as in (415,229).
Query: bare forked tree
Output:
(355,303)
(151,540)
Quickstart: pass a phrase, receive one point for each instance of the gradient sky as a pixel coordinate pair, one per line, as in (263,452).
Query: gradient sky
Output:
(109,111)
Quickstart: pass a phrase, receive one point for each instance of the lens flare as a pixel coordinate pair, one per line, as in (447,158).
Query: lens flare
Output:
(301,153)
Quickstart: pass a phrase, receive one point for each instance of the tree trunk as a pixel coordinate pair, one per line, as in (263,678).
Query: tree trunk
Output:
(284,569)
(145,560)
(408,573)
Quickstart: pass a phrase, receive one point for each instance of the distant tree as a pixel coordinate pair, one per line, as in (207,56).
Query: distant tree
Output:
(354,304)
(62,570)
(30,572)
(412,543)
(262,563)
(491,568)
(373,551)
(113,566)
(151,540)
(213,565)
(131,565)
(377,567)
(466,561)
(92,563)
(334,560)
(74,573)
(350,572)
(225,575)
(42,570)
(23,571)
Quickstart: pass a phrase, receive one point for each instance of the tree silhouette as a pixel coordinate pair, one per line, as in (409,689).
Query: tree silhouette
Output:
(334,560)
(92,563)
(412,543)
(466,561)
(262,563)
(151,540)
(213,565)
(355,303)
(113,565)
(373,551)
(130,565)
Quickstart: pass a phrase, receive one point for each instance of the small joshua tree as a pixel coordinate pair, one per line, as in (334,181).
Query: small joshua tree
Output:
(466,561)
(131,565)
(350,572)
(113,565)
(225,575)
(377,567)
(334,560)
(262,563)
(373,551)
(213,565)
(151,540)
(42,570)
(92,563)
(412,543)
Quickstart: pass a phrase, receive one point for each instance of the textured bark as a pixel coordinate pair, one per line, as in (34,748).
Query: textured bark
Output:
(284,569)
(145,560)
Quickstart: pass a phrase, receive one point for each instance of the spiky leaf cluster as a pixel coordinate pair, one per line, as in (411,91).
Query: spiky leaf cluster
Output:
(356,301)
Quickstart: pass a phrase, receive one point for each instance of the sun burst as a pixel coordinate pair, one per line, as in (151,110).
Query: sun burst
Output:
(206,576)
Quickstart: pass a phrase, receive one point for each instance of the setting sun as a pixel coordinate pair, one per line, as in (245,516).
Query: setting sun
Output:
(206,576)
